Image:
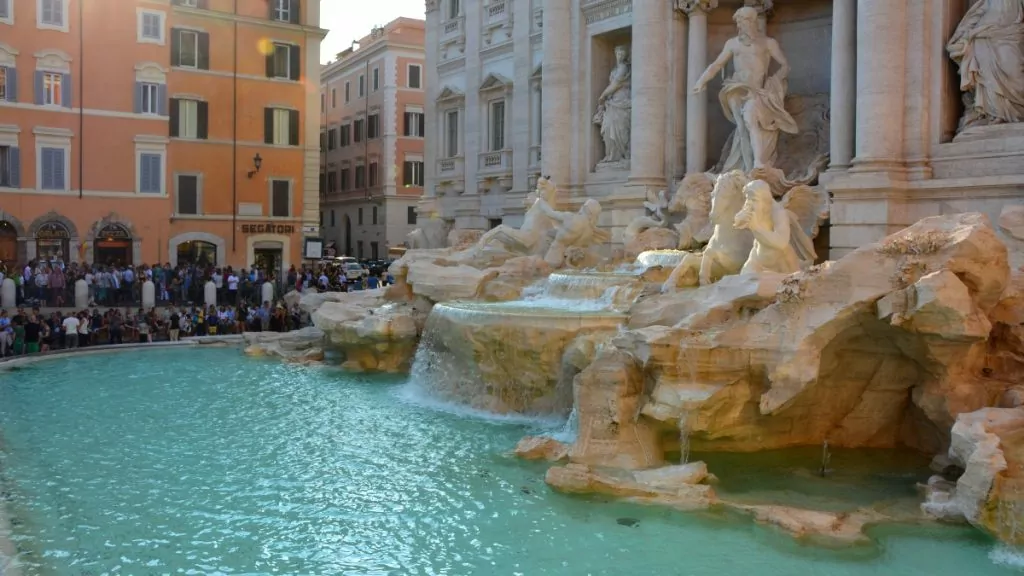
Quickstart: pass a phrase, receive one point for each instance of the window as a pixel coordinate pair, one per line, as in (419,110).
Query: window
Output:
(410,215)
(359,246)
(189,3)
(376,79)
(189,118)
(358,136)
(332,181)
(375,215)
(453,9)
(373,127)
(281,127)
(151,173)
(190,49)
(345,179)
(323,184)
(452,134)
(332,218)
(280,201)
(360,210)
(53,89)
(373,182)
(149,98)
(10,165)
(5,92)
(348,86)
(188,194)
(414,76)
(53,169)
(52,14)
(285,61)
(362,85)
(373,248)
(323,103)
(334,97)
(284,10)
(412,173)
(151,27)
(346,135)
(497,125)
(6,12)
(414,124)
(332,139)
(360,182)
(493,223)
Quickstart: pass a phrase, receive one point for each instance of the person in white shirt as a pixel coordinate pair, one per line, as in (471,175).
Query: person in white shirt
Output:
(232,288)
(71,325)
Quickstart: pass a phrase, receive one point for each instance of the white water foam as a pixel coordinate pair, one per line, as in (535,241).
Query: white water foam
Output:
(1003,555)
(415,393)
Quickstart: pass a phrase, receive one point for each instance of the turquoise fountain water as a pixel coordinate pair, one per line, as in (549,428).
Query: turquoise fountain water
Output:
(203,462)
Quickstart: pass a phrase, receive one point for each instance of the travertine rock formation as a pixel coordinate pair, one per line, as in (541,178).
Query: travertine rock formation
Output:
(372,334)
(305,345)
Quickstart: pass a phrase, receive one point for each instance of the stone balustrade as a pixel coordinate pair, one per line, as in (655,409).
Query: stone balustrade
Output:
(453,28)
(449,167)
(497,162)
(497,11)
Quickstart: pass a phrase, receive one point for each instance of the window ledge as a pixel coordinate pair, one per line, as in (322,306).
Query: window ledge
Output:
(156,41)
(55,27)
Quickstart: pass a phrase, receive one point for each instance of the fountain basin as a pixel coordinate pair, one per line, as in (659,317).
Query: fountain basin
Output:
(506,357)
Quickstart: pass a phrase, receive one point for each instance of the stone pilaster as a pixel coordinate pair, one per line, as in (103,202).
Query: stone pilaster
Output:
(677,106)
(697,104)
(650,75)
(556,145)
(310,183)
(843,101)
(432,129)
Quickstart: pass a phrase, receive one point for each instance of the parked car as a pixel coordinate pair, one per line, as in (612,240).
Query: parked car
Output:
(354,271)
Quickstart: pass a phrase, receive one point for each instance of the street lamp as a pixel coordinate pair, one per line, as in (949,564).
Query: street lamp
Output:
(256,161)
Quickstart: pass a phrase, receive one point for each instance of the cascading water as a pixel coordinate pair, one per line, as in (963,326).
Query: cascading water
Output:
(684,436)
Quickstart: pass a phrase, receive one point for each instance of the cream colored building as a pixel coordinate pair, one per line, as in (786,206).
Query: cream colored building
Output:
(513,87)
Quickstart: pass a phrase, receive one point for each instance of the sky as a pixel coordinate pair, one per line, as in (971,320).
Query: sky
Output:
(349,20)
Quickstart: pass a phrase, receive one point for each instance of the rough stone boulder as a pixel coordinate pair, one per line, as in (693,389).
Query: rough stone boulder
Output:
(675,486)
(507,281)
(652,239)
(541,448)
(883,347)
(989,445)
(305,345)
(372,335)
(312,300)
(292,298)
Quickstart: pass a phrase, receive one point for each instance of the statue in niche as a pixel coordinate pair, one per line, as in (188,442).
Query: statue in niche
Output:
(988,45)
(532,237)
(728,248)
(576,230)
(781,242)
(614,107)
(751,99)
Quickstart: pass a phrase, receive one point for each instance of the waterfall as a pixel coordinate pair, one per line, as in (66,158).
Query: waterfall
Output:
(684,435)
(663,258)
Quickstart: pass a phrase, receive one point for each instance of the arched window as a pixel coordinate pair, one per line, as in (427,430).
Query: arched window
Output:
(197,252)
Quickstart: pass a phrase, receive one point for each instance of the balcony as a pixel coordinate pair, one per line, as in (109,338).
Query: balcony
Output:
(450,168)
(493,164)
(453,29)
(497,11)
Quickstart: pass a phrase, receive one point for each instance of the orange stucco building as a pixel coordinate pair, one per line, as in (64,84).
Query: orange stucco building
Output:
(129,131)
(372,128)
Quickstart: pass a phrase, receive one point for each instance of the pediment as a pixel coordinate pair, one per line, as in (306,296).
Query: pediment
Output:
(450,93)
(495,81)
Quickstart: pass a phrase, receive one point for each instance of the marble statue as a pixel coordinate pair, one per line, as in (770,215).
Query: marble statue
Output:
(728,248)
(575,230)
(988,45)
(656,206)
(693,198)
(614,108)
(781,244)
(751,99)
(530,238)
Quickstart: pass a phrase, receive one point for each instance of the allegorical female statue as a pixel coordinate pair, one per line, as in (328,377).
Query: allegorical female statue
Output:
(989,47)
(614,107)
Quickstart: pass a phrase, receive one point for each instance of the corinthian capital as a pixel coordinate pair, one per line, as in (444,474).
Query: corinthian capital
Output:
(433,5)
(690,6)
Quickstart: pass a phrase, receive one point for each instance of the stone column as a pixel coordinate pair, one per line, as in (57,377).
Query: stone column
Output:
(649,59)
(880,85)
(432,127)
(677,107)
(844,83)
(696,63)
(556,146)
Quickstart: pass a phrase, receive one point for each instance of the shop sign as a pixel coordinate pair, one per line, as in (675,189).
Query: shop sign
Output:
(268,229)
(114,232)
(53,231)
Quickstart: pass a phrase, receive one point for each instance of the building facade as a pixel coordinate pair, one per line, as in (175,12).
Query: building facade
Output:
(128,132)
(517,88)
(372,134)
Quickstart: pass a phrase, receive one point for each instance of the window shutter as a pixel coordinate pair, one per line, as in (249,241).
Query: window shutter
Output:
(295,54)
(40,99)
(156,173)
(161,99)
(12,84)
(138,97)
(204,51)
(173,120)
(270,63)
(58,169)
(293,127)
(268,125)
(14,157)
(294,13)
(203,120)
(405,120)
(144,173)
(175,47)
(65,89)
(407,172)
